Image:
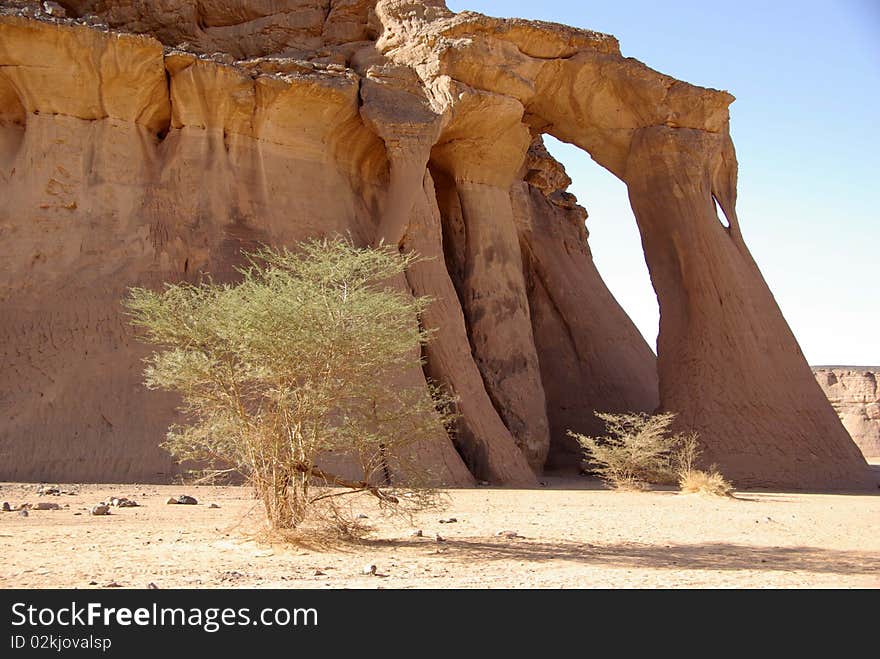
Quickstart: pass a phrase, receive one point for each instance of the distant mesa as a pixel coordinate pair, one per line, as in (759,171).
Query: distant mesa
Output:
(854,394)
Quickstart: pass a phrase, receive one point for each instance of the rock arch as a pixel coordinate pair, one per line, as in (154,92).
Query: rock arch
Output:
(728,363)
(396,121)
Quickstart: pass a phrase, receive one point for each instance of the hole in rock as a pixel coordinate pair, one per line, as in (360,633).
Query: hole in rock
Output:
(720,214)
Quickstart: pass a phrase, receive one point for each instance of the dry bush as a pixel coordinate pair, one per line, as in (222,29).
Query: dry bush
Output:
(705,482)
(636,451)
(639,450)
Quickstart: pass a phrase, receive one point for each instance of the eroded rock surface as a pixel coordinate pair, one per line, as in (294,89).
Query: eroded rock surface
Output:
(150,142)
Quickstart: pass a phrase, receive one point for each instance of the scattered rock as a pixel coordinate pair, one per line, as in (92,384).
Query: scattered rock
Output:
(100,509)
(93,583)
(318,573)
(123,502)
(439,538)
(48,490)
(186,500)
(23,506)
(171,500)
(152,586)
(231,575)
(113,584)
(417,534)
(451,520)
(23,512)
(361,516)
(370,568)
(509,534)
(213,505)
(46,505)
(54,9)
(6,507)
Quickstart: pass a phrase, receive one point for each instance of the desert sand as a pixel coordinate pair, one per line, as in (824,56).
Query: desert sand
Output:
(572,534)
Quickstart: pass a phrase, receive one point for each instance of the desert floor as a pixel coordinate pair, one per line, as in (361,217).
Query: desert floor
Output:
(574,534)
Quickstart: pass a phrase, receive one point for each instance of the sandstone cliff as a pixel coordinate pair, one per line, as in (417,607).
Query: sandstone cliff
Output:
(855,396)
(151,142)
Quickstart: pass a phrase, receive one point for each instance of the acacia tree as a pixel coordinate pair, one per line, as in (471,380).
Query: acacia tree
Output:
(299,359)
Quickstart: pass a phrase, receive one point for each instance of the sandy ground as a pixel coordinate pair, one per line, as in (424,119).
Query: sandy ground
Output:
(574,535)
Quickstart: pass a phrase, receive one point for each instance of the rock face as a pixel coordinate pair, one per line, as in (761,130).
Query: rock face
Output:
(149,142)
(855,396)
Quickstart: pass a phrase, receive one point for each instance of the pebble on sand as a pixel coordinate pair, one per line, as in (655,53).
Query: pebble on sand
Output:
(182,500)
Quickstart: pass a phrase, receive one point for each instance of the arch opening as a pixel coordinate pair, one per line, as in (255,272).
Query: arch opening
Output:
(593,358)
(614,236)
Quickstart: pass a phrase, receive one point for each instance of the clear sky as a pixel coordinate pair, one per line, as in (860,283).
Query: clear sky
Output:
(806,125)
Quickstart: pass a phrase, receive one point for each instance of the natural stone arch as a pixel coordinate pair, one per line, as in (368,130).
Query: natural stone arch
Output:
(728,362)
(452,97)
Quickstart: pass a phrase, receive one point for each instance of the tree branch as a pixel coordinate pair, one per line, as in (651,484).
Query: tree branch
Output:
(333,479)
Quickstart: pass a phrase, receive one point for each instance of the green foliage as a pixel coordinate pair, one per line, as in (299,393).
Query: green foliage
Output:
(306,354)
(637,449)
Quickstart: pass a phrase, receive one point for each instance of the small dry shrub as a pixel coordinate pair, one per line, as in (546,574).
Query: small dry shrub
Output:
(705,482)
(639,450)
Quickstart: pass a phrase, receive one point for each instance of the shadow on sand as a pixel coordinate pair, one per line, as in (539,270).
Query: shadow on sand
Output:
(706,556)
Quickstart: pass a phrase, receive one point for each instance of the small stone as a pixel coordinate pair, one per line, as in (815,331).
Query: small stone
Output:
(370,568)
(509,534)
(361,516)
(186,500)
(318,573)
(417,534)
(93,583)
(6,507)
(23,512)
(213,505)
(171,500)
(100,509)
(48,490)
(113,584)
(451,520)
(439,538)
(54,9)
(152,586)
(45,505)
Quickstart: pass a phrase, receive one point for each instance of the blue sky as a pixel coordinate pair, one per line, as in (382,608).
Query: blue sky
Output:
(807,80)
